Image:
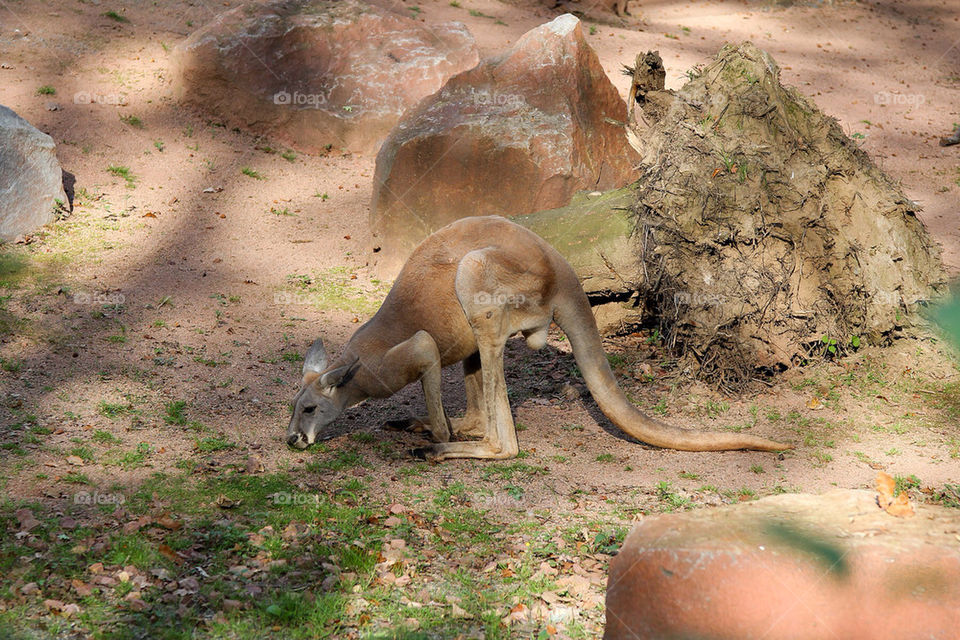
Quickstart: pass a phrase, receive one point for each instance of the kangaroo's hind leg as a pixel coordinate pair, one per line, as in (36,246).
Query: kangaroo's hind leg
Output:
(489,317)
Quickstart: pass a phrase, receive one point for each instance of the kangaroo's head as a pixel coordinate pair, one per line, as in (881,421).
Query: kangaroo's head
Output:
(321,398)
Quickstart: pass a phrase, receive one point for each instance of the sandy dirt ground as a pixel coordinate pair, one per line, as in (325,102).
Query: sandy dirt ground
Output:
(155,291)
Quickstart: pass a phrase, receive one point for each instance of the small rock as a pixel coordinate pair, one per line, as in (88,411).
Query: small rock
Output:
(53,605)
(254,465)
(232,605)
(28,522)
(190,583)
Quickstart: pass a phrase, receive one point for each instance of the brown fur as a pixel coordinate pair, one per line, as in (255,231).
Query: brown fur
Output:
(463,292)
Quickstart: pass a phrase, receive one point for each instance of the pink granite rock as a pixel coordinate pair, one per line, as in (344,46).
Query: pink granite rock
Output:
(796,567)
(518,133)
(313,73)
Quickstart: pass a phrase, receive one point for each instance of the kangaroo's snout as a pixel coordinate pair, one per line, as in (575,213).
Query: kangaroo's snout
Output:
(297,440)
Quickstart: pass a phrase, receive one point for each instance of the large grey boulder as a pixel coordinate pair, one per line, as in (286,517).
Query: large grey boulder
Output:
(31,181)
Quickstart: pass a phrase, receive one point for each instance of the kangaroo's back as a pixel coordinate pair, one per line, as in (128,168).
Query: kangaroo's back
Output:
(424,297)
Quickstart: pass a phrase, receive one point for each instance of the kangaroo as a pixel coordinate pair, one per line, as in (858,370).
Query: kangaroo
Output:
(463,292)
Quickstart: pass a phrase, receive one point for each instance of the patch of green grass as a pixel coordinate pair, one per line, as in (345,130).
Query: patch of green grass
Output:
(670,499)
(334,289)
(289,155)
(605,457)
(105,437)
(136,123)
(83,452)
(448,496)
(758,469)
(821,458)
(949,496)
(129,460)
(10,365)
(123,172)
(116,17)
(114,410)
(514,491)
(661,407)
(46,90)
(213,443)
(345,459)
(13,266)
(252,173)
(616,360)
(175,412)
(905,483)
(75,477)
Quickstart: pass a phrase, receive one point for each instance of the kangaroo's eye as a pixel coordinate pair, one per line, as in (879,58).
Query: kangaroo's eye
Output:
(309,409)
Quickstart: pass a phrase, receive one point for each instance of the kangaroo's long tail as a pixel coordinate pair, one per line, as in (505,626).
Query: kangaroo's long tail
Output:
(575,318)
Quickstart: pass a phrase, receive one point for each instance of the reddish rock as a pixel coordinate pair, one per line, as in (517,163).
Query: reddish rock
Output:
(518,133)
(312,73)
(793,566)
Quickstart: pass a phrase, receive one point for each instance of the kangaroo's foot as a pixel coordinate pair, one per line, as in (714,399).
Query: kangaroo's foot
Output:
(469,426)
(481,449)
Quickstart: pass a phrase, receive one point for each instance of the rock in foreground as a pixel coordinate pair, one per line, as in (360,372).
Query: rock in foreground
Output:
(31,181)
(313,73)
(792,566)
(518,133)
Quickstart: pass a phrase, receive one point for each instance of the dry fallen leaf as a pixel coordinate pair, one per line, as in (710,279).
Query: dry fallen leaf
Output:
(519,613)
(814,403)
(898,506)
(26,519)
(169,553)
(82,588)
(254,465)
(224,502)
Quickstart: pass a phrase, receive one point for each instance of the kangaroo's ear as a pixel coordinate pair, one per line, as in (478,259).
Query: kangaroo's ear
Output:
(316,359)
(341,375)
